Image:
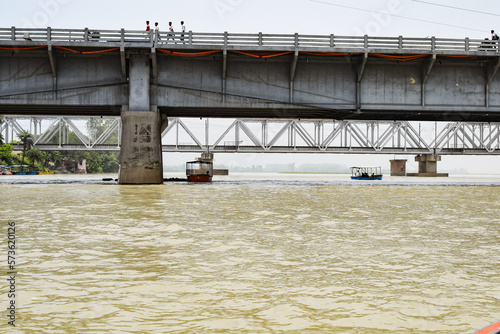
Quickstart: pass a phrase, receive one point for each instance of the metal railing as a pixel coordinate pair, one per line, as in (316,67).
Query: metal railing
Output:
(127,38)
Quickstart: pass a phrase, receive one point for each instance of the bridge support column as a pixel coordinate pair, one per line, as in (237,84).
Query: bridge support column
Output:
(141,154)
(427,166)
(398,167)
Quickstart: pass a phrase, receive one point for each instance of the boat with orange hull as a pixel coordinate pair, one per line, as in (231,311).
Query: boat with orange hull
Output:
(199,171)
(199,178)
(491,329)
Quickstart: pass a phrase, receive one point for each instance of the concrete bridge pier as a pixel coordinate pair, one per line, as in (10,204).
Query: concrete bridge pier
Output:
(141,154)
(398,167)
(427,166)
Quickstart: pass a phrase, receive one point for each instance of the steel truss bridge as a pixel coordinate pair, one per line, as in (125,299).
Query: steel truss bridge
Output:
(266,135)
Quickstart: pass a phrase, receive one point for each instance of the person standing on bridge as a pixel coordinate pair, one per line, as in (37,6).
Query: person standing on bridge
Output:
(157,31)
(494,37)
(171,32)
(183,30)
(148,29)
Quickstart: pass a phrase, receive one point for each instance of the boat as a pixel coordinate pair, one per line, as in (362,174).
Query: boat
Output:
(5,170)
(21,170)
(199,171)
(491,329)
(366,173)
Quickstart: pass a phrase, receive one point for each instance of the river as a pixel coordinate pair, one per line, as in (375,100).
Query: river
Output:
(254,253)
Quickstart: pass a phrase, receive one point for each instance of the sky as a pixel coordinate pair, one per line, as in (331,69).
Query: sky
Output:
(409,18)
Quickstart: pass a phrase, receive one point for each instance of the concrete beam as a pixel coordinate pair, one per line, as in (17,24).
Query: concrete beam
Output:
(224,73)
(361,68)
(154,62)
(428,67)
(293,68)
(494,69)
(139,82)
(224,64)
(52,60)
(123,60)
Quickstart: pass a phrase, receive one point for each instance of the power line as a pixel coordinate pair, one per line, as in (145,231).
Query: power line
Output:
(394,15)
(458,8)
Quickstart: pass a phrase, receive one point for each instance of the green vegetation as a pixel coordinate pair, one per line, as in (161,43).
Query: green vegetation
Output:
(6,156)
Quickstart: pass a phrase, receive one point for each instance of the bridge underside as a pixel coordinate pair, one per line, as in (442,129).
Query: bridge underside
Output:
(418,114)
(364,114)
(62,110)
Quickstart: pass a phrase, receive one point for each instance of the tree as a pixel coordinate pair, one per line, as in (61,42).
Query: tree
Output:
(35,155)
(26,139)
(110,162)
(6,154)
(53,156)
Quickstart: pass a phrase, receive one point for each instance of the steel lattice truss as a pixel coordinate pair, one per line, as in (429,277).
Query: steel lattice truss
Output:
(266,135)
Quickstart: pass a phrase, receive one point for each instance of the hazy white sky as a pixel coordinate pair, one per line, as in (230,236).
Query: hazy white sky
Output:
(412,18)
(415,18)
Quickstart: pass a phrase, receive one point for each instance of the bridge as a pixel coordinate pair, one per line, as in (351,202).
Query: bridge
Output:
(147,78)
(265,136)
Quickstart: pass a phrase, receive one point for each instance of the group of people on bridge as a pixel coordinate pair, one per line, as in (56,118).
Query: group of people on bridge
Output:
(171,33)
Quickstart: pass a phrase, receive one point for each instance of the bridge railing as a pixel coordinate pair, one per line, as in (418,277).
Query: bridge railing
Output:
(140,38)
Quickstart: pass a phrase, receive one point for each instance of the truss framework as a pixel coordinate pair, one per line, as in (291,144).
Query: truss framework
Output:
(267,136)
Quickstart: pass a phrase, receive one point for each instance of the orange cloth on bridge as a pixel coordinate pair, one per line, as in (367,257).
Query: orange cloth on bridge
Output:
(189,54)
(262,54)
(85,52)
(399,58)
(331,53)
(28,48)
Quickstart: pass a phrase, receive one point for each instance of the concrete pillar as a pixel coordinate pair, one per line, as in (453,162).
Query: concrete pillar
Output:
(427,166)
(141,155)
(427,163)
(398,167)
(205,156)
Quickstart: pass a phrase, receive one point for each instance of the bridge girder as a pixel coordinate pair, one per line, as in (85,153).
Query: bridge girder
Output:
(267,136)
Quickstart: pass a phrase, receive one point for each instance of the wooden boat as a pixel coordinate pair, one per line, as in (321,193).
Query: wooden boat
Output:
(199,171)
(366,173)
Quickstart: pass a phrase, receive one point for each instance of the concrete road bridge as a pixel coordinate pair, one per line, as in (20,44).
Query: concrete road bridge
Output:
(148,77)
